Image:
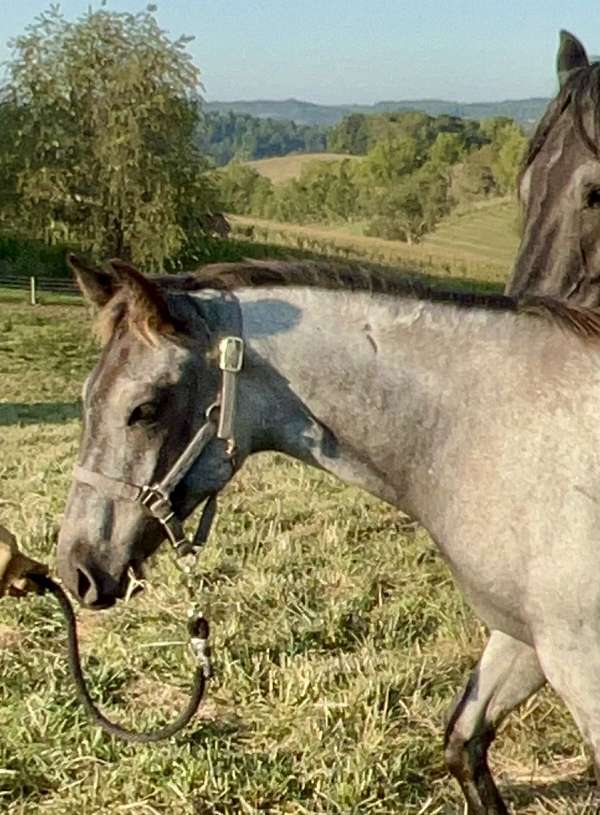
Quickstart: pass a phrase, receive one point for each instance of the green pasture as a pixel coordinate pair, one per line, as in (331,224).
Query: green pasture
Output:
(339,643)
(477,244)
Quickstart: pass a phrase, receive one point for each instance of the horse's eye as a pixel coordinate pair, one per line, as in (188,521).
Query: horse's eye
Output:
(593,198)
(145,413)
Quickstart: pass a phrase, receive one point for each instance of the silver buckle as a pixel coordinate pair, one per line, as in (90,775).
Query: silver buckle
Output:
(231,354)
(151,498)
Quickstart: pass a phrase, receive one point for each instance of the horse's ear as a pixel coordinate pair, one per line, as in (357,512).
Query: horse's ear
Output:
(146,307)
(96,286)
(571,56)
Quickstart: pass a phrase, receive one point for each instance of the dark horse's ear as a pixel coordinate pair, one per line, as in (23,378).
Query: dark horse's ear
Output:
(96,286)
(571,57)
(147,309)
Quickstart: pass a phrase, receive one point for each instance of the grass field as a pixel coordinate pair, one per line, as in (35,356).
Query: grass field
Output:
(479,243)
(481,239)
(284,168)
(487,233)
(339,643)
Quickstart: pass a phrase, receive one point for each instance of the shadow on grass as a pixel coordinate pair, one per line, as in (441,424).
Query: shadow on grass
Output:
(201,732)
(579,789)
(12,413)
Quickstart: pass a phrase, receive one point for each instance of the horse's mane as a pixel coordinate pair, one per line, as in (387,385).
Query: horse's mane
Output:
(581,88)
(325,275)
(272,273)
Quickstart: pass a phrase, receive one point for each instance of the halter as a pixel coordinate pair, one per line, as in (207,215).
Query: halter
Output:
(156,501)
(156,498)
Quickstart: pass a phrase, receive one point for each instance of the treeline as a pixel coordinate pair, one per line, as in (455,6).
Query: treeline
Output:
(241,137)
(358,133)
(415,169)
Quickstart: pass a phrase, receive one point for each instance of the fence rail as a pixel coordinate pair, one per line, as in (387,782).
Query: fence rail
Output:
(34,285)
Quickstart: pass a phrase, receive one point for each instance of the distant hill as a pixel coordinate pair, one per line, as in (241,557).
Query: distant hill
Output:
(305,113)
(525,111)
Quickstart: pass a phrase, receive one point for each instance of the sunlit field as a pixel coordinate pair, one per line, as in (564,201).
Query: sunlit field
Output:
(283,168)
(477,243)
(339,643)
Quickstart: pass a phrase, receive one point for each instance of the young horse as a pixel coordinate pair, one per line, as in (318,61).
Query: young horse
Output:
(477,419)
(559,189)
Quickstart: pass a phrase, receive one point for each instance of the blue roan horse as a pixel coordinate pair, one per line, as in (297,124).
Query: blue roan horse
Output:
(478,418)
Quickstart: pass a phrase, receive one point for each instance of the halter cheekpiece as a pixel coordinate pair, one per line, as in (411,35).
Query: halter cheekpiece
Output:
(156,498)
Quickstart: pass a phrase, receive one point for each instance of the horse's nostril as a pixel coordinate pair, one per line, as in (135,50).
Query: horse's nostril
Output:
(84,586)
(90,583)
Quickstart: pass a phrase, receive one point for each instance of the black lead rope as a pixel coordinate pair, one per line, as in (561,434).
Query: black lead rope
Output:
(198,631)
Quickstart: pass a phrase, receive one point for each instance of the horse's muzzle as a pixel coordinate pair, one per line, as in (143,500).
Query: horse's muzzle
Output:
(92,584)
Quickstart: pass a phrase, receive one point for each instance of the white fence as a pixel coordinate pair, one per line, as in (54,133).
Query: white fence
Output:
(34,286)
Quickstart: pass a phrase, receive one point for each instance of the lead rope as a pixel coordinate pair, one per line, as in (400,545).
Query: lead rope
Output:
(198,632)
(156,500)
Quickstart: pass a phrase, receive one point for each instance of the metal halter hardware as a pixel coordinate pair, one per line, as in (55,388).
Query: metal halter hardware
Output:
(156,498)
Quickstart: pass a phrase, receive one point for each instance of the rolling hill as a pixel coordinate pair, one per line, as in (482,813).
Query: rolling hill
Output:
(283,168)
(525,111)
(479,243)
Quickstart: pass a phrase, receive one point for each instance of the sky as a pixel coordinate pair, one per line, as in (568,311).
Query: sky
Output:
(361,51)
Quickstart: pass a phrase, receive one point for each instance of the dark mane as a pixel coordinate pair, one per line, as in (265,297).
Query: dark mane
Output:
(256,274)
(581,88)
(323,275)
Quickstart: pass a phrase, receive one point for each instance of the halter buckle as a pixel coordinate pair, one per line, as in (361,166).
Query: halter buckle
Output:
(157,504)
(231,354)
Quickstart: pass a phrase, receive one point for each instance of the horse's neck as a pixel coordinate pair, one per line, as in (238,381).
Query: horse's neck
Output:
(375,383)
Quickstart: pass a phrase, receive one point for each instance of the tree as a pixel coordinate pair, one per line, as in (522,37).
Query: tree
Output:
(109,109)
(432,184)
(10,125)
(473,178)
(510,156)
(493,127)
(341,198)
(400,213)
(391,159)
(242,190)
(508,143)
(447,149)
(351,135)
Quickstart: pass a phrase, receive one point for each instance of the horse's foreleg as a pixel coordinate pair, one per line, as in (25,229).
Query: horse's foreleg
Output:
(507,674)
(571,662)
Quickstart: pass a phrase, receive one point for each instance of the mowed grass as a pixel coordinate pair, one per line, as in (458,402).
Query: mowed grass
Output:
(281,169)
(482,238)
(339,643)
(479,243)
(488,233)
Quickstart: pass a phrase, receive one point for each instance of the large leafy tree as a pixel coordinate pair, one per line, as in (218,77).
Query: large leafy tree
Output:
(10,162)
(108,107)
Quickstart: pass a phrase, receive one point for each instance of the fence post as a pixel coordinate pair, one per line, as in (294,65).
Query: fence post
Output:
(32,291)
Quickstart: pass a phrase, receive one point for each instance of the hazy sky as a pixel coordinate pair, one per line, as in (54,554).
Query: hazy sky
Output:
(364,51)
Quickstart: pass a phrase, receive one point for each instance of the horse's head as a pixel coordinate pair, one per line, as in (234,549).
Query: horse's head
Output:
(559,189)
(145,400)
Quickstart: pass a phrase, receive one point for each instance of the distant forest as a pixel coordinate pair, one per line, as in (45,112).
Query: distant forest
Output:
(230,136)
(241,137)
(414,170)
